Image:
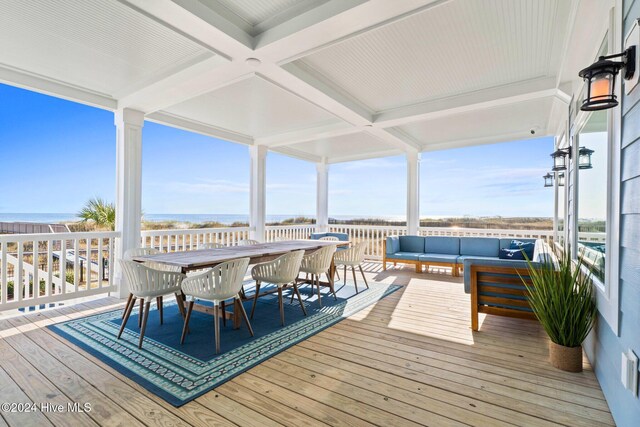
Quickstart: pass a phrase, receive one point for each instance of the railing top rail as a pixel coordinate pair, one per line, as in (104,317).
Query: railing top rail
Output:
(288,227)
(487,230)
(58,236)
(192,231)
(371,227)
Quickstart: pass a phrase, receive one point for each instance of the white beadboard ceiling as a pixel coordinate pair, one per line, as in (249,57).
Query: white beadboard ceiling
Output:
(336,80)
(101,46)
(253,107)
(497,124)
(451,49)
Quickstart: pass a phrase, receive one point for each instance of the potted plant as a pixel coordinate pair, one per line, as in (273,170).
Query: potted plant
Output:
(562,297)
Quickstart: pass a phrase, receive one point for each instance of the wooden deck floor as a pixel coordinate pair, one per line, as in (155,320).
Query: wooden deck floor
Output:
(409,360)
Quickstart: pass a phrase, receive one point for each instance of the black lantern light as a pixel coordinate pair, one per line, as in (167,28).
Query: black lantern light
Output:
(561,179)
(548,180)
(584,158)
(560,159)
(601,79)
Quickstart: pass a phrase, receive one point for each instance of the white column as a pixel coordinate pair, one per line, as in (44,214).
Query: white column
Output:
(322,197)
(556,199)
(129,125)
(413,192)
(258,191)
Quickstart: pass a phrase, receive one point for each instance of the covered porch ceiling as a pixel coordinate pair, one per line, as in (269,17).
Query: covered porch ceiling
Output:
(337,80)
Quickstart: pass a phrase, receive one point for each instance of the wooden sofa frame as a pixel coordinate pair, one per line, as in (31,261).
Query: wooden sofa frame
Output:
(483,303)
(455,268)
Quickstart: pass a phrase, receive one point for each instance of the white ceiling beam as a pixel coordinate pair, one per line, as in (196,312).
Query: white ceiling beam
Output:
(396,139)
(483,99)
(198,127)
(281,45)
(51,87)
(365,156)
(309,134)
(483,140)
(302,155)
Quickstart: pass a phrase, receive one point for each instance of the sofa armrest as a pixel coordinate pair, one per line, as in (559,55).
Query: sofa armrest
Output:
(491,263)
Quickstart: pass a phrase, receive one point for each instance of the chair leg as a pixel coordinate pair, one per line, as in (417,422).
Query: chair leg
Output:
(363,276)
(345,274)
(180,303)
(355,282)
(318,285)
(127,313)
(160,309)
(187,317)
(147,306)
(224,314)
(255,299)
(281,305)
(141,312)
(244,314)
(126,307)
(297,292)
(216,323)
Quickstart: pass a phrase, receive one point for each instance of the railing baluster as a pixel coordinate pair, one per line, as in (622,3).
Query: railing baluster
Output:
(3,275)
(18,284)
(36,266)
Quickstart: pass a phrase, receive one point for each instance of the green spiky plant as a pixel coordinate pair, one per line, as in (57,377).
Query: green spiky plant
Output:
(99,212)
(562,297)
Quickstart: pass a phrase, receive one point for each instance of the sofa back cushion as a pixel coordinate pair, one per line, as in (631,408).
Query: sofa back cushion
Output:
(442,245)
(393,245)
(412,244)
(480,246)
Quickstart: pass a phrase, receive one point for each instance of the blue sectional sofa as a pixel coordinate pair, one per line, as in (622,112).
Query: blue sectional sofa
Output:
(495,284)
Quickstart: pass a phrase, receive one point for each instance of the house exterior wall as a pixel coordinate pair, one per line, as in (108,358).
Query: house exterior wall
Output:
(607,348)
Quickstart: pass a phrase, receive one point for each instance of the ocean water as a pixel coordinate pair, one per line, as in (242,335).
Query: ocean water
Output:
(53,218)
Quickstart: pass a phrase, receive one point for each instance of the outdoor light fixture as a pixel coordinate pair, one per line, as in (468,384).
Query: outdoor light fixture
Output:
(561,179)
(548,180)
(601,79)
(560,159)
(584,158)
(561,156)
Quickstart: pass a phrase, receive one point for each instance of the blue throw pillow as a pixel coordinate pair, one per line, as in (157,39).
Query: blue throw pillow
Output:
(527,247)
(514,254)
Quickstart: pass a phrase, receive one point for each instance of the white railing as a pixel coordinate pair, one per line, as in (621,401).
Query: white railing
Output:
(190,239)
(39,269)
(592,236)
(273,233)
(374,235)
(546,235)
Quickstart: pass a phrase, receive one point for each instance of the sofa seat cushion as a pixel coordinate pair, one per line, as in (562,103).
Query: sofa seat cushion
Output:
(411,244)
(451,259)
(442,245)
(409,256)
(480,246)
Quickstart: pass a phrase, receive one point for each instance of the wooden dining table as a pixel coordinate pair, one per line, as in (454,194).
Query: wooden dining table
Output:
(201,259)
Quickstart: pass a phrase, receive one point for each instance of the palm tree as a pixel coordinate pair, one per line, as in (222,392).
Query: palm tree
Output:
(101,213)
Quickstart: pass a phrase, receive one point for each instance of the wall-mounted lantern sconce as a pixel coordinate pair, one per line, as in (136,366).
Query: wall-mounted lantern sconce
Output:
(548,180)
(561,179)
(561,158)
(584,158)
(601,79)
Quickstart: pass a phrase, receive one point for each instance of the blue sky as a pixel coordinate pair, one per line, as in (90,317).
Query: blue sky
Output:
(57,154)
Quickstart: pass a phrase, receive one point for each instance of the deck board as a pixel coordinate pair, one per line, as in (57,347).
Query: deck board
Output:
(409,360)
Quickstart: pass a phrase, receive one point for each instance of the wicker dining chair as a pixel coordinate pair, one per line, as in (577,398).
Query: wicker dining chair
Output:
(147,283)
(352,257)
(281,272)
(248,242)
(218,284)
(211,245)
(136,252)
(331,239)
(317,263)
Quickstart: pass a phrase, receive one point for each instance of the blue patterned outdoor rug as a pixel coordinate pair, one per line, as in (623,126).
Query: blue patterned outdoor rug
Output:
(180,373)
